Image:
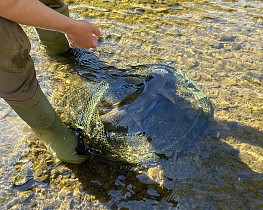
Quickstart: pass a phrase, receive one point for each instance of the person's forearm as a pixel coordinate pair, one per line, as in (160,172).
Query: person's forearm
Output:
(34,13)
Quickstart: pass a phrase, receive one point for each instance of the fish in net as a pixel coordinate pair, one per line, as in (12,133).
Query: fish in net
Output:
(163,114)
(81,109)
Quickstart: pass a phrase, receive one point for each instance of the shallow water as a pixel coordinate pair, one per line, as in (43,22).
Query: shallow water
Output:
(216,43)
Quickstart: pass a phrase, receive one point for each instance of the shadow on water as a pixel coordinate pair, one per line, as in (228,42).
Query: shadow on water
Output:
(218,173)
(115,184)
(205,177)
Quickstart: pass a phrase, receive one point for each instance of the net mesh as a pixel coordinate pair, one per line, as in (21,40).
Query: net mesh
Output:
(81,109)
(169,113)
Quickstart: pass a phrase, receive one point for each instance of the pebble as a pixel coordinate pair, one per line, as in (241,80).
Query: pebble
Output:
(220,64)
(24,195)
(227,38)
(139,11)
(218,46)
(176,6)
(236,46)
(33,203)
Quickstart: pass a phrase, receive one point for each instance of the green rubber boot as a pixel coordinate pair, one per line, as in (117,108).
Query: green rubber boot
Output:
(55,42)
(43,120)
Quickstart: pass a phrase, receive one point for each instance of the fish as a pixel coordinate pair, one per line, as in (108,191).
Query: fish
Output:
(142,102)
(163,117)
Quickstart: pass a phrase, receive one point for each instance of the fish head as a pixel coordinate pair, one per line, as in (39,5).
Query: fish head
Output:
(156,80)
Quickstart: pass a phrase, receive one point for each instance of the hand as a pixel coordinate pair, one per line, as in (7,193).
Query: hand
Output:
(82,34)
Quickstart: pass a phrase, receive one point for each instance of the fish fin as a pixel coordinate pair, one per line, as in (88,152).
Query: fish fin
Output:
(168,96)
(112,115)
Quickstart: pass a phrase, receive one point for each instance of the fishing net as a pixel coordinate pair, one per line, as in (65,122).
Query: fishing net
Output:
(140,114)
(81,108)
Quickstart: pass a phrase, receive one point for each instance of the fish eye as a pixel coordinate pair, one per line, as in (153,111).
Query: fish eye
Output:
(149,78)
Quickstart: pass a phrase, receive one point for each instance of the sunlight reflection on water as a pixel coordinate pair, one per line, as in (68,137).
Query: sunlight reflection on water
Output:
(218,44)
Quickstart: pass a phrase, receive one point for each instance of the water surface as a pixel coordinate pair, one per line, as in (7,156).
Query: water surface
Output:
(218,44)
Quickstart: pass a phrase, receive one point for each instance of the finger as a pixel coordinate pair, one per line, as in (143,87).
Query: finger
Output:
(92,43)
(95,38)
(95,41)
(96,31)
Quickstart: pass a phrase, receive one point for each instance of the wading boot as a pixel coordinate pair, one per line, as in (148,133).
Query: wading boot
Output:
(59,140)
(55,42)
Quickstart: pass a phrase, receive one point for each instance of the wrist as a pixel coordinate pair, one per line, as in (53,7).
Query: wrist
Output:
(69,26)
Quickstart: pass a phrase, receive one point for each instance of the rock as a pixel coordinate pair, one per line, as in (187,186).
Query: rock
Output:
(236,46)
(227,38)
(218,46)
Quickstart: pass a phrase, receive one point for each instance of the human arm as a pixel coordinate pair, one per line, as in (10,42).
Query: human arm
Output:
(32,12)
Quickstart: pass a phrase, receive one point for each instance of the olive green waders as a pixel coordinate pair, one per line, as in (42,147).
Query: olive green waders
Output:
(54,41)
(20,89)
